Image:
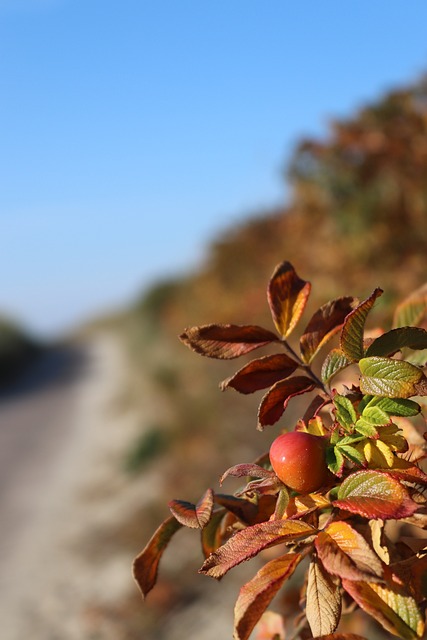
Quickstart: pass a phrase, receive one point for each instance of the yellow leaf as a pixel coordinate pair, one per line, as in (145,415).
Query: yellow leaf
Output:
(378,454)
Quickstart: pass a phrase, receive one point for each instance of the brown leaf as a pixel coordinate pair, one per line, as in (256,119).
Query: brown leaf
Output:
(145,565)
(193,516)
(276,399)
(249,542)
(256,595)
(324,324)
(243,509)
(212,534)
(287,296)
(226,341)
(323,600)
(261,373)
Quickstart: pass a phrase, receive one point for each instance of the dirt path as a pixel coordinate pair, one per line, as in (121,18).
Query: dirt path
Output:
(61,444)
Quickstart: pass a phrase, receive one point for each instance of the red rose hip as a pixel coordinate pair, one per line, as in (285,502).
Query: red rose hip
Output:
(298,459)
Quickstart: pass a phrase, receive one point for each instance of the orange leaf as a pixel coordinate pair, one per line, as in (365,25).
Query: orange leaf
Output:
(396,611)
(249,542)
(256,595)
(146,564)
(287,296)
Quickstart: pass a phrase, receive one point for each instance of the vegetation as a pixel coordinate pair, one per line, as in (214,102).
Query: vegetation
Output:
(365,472)
(17,348)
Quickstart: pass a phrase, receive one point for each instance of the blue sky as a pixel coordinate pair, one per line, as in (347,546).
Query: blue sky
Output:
(133,131)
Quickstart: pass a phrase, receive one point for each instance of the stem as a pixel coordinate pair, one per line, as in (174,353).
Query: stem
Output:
(306,368)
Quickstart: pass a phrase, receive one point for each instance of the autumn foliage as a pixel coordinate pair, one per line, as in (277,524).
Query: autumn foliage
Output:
(367,424)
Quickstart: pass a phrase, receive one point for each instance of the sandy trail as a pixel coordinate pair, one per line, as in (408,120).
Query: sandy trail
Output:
(61,442)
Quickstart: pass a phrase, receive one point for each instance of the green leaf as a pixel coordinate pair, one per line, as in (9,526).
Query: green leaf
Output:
(334,362)
(353,328)
(249,542)
(323,600)
(287,296)
(375,494)
(412,310)
(324,324)
(344,411)
(389,377)
(352,454)
(375,415)
(366,428)
(256,595)
(396,339)
(145,565)
(395,406)
(335,461)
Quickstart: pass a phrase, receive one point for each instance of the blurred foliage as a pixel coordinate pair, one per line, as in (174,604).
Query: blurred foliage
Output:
(356,219)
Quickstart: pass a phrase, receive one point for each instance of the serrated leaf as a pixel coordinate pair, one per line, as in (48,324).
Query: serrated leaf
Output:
(374,494)
(397,339)
(345,553)
(340,636)
(304,504)
(335,461)
(324,324)
(344,411)
(226,341)
(408,471)
(191,515)
(396,611)
(256,595)
(323,600)
(146,564)
(366,428)
(395,406)
(412,310)
(276,399)
(261,373)
(352,454)
(351,342)
(287,296)
(334,362)
(375,415)
(249,542)
(389,377)
(247,469)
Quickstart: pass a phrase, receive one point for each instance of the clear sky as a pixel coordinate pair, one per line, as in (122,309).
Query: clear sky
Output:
(132,131)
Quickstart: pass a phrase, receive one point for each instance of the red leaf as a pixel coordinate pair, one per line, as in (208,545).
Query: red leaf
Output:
(374,494)
(276,399)
(256,595)
(354,324)
(245,510)
(193,516)
(243,470)
(226,341)
(249,542)
(261,373)
(145,565)
(287,296)
(340,636)
(324,324)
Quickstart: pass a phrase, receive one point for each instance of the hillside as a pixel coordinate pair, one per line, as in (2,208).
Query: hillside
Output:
(356,219)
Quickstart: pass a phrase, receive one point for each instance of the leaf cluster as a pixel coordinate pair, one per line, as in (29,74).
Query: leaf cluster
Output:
(341,527)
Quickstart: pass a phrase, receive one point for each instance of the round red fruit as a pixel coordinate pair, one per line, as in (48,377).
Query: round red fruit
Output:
(298,459)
